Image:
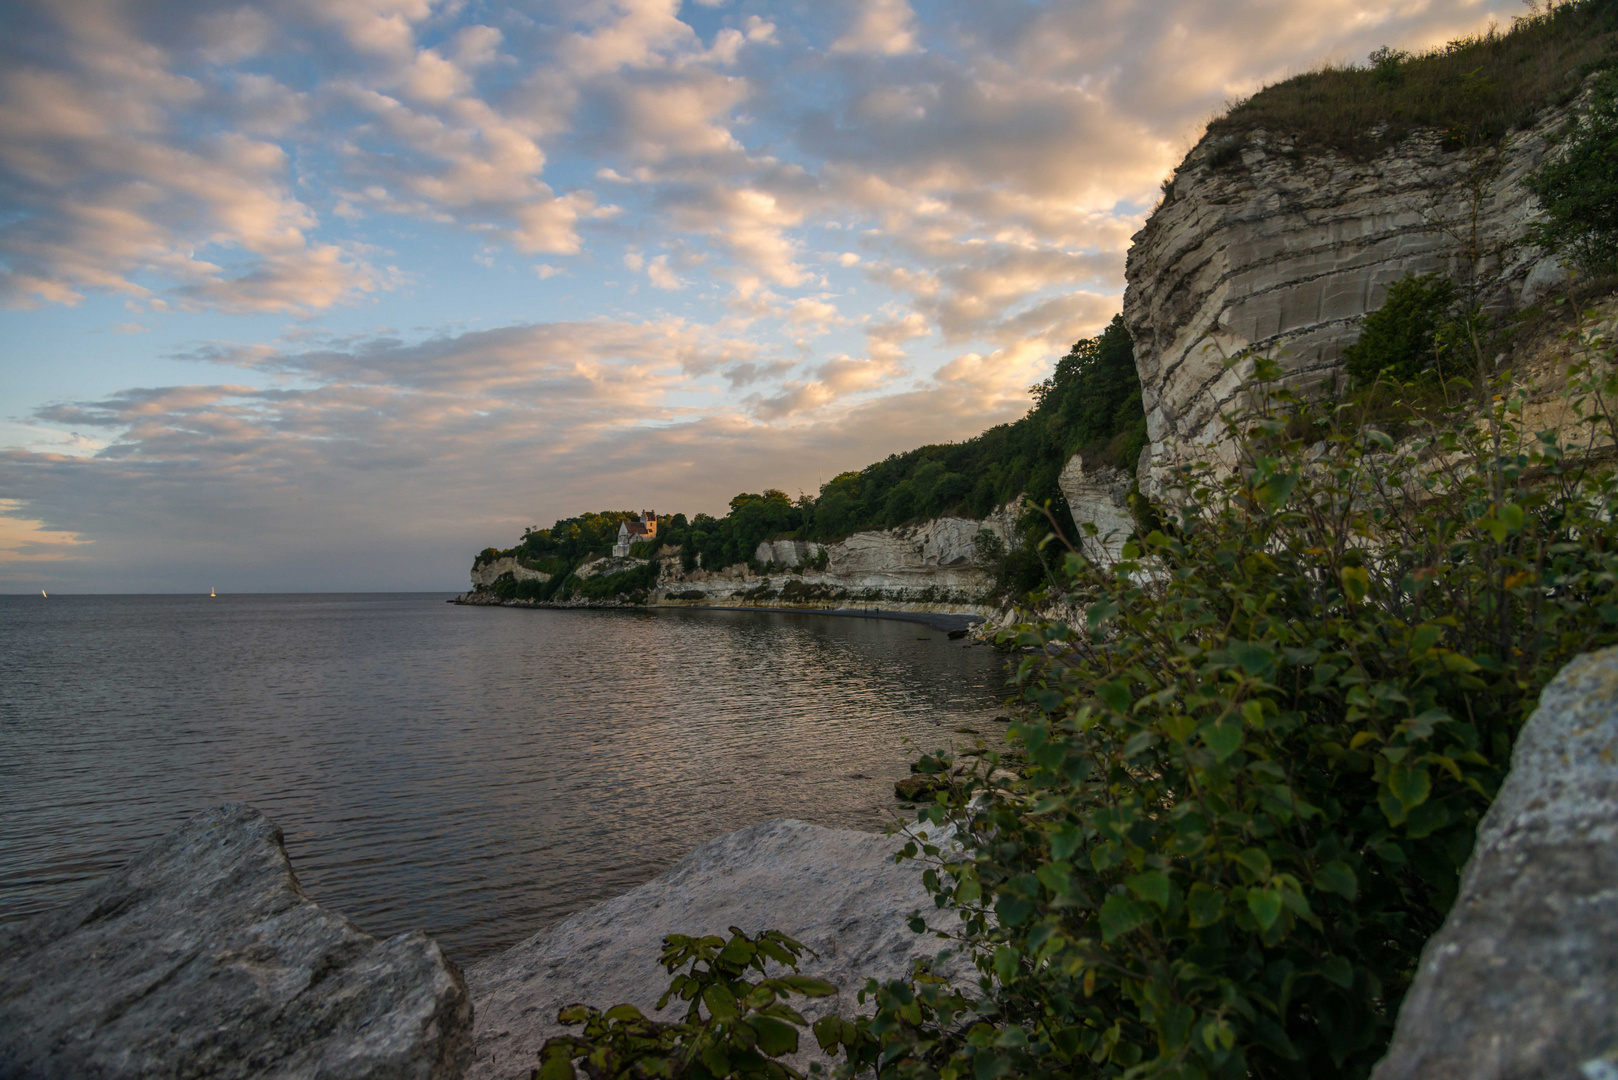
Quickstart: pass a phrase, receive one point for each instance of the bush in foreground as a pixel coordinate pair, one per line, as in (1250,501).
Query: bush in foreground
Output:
(1255,768)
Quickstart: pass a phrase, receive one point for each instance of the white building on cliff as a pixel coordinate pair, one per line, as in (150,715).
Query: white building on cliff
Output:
(631,532)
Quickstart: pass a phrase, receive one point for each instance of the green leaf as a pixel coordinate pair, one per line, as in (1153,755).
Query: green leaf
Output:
(1425,637)
(1153,885)
(1337,877)
(720,1001)
(1013,910)
(1410,784)
(1115,695)
(775,1037)
(829,1032)
(1100,612)
(1206,905)
(1223,738)
(1120,915)
(1426,819)
(556,1067)
(809,986)
(573,1014)
(738,951)
(1356,582)
(1253,657)
(1255,860)
(1337,971)
(1006,962)
(1265,904)
(623,1012)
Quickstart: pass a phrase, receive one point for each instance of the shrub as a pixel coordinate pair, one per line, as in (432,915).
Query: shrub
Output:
(1475,89)
(505,586)
(1256,766)
(1402,337)
(532,589)
(1579,190)
(746,1028)
(625,583)
(1225,152)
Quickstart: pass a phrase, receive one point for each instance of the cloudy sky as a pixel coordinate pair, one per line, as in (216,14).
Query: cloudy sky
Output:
(329,294)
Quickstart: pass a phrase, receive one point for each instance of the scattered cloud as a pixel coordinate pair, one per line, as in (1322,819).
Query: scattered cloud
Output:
(875,224)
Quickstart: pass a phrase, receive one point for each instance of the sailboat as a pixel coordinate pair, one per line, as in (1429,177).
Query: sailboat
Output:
(42,593)
(211,593)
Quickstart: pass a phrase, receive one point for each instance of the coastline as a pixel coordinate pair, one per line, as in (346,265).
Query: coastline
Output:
(950,620)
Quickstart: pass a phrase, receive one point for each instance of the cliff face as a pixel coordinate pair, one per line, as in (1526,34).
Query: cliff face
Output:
(1285,252)
(934,562)
(932,565)
(487,574)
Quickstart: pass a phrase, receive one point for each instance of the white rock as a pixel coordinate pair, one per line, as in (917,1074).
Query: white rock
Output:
(1099,497)
(837,891)
(489,573)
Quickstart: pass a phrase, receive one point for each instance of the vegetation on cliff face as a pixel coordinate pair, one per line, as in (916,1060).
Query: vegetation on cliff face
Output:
(1475,89)
(1579,188)
(1090,404)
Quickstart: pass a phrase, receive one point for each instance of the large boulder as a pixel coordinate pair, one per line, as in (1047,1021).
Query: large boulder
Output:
(203,958)
(837,891)
(1522,979)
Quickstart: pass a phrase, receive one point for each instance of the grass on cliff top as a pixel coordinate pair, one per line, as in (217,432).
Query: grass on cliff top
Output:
(1475,89)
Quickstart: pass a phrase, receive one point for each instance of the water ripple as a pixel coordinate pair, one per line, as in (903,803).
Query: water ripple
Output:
(474,773)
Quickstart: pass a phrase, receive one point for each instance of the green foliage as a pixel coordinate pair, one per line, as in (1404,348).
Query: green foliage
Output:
(1475,89)
(1255,768)
(1579,189)
(625,583)
(575,539)
(1401,339)
(737,1021)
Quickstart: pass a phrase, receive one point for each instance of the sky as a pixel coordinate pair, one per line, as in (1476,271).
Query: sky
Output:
(328,295)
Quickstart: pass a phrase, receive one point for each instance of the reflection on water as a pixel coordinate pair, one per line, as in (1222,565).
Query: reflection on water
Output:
(477,773)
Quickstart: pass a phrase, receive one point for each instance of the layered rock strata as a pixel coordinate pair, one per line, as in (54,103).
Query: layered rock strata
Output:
(1522,979)
(489,573)
(836,891)
(1258,245)
(203,957)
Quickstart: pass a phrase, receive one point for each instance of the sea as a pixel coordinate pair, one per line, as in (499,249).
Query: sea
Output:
(474,772)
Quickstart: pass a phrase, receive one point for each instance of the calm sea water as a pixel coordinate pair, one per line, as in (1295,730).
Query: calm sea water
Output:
(476,773)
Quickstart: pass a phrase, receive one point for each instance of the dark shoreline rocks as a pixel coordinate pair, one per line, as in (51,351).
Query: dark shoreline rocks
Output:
(203,958)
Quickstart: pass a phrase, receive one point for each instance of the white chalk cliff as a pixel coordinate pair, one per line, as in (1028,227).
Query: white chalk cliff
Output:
(1284,250)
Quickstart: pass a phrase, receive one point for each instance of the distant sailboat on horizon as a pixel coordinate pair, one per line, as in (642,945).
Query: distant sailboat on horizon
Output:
(42,593)
(211,593)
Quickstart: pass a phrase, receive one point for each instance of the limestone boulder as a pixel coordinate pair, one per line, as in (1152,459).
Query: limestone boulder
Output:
(1522,979)
(204,958)
(1099,496)
(837,891)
